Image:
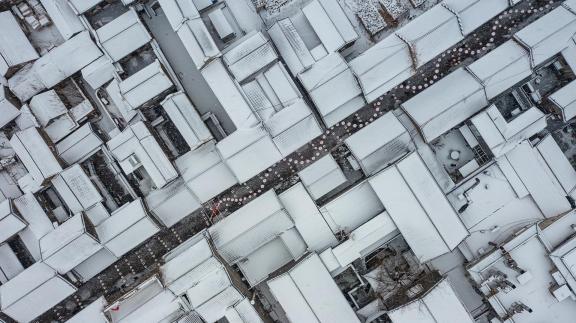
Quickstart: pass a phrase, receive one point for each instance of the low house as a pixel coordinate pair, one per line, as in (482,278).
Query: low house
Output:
(139,89)
(186,119)
(135,149)
(34,291)
(55,66)
(15,48)
(70,244)
(502,68)
(446,104)
(126,228)
(10,221)
(419,208)
(76,189)
(380,143)
(330,23)
(333,88)
(322,176)
(548,35)
(500,135)
(307,293)
(36,155)
(192,269)
(63,17)
(185,20)
(439,304)
(149,301)
(123,35)
(564,101)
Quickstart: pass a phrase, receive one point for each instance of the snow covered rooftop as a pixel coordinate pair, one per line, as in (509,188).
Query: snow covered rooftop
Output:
(205,173)
(81,6)
(126,228)
(291,46)
(136,147)
(565,100)
(228,94)
(558,163)
(35,154)
(78,145)
(439,304)
(293,127)
(140,88)
(69,244)
(259,237)
(76,189)
(530,248)
(548,35)
(431,33)
(123,35)
(249,55)
(55,66)
(248,152)
(533,175)
(10,222)
(333,88)
(380,143)
(330,24)
(9,110)
(99,72)
(447,103)
(186,22)
(474,13)
(186,119)
(307,218)
(92,313)
(243,231)
(33,291)
(501,68)
(419,208)
(192,270)
(63,17)
(361,242)
(38,223)
(15,48)
(353,208)
(501,136)
(383,67)
(149,301)
(322,176)
(307,293)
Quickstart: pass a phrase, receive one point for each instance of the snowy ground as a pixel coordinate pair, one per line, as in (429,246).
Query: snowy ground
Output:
(144,260)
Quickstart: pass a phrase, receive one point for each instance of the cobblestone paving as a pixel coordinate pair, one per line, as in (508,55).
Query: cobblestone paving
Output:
(143,262)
